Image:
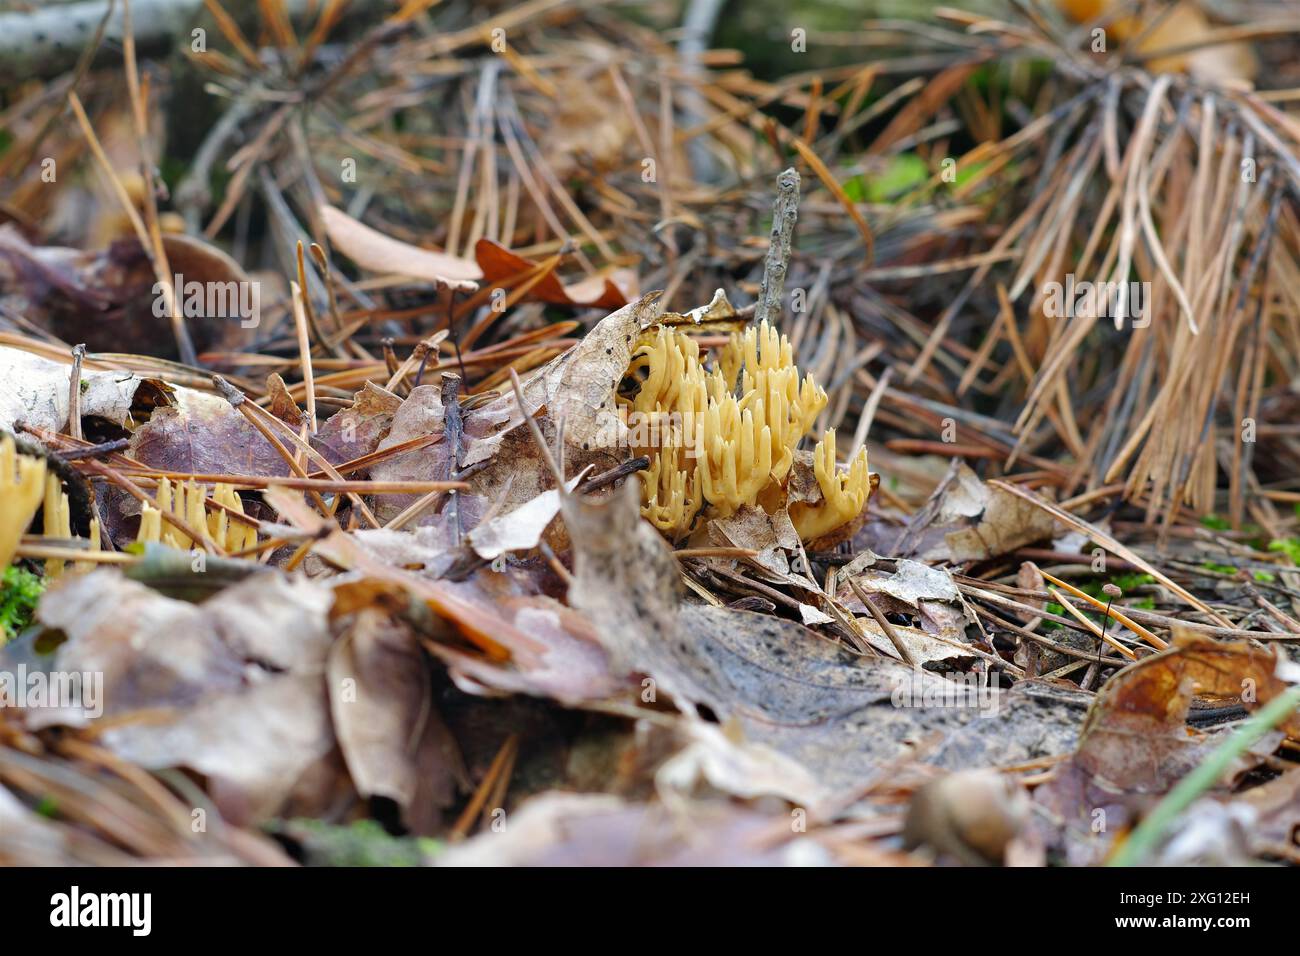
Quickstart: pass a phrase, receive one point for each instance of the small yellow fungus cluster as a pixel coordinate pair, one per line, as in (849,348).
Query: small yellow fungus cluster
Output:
(189,502)
(58,524)
(726,437)
(843,495)
(25,485)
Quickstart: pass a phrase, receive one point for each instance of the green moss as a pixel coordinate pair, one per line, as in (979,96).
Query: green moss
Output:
(1125,582)
(360,843)
(1219,568)
(1215,523)
(1288,546)
(1052,608)
(19,593)
(902,174)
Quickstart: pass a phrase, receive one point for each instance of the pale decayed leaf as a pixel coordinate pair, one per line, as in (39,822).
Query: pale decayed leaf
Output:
(841,716)
(520,529)
(35,391)
(967,520)
(578,387)
(233,688)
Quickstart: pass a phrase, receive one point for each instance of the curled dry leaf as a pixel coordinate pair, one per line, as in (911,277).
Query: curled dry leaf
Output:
(1136,739)
(578,387)
(626,582)
(568,662)
(736,767)
(473,613)
(500,265)
(419,415)
(1135,743)
(282,405)
(570,829)
(925,596)
(522,528)
(392,738)
(495,263)
(358,430)
(228,289)
(772,535)
(108,297)
(203,434)
(968,520)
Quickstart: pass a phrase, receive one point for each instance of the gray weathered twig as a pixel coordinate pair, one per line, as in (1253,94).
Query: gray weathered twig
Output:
(784,213)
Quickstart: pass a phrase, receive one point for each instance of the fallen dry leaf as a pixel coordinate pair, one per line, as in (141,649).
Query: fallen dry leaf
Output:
(34,392)
(393,739)
(968,520)
(500,265)
(233,688)
(373,250)
(570,829)
(1136,739)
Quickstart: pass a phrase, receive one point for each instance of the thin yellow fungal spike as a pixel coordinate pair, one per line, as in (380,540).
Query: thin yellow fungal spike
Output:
(150,525)
(22,486)
(57,520)
(164,494)
(195,510)
(171,500)
(219,528)
(91,545)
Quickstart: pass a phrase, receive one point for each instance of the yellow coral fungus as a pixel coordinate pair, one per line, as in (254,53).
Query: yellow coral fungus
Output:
(725,438)
(843,495)
(22,486)
(57,523)
(230,533)
(189,502)
(768,372)
(672,496)
(57,520)
(733,455)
